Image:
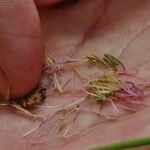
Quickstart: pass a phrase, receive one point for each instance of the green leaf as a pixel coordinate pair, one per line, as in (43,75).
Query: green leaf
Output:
(126,144)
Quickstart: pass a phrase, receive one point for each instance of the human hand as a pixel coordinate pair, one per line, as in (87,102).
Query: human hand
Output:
(21,57)
(119,27)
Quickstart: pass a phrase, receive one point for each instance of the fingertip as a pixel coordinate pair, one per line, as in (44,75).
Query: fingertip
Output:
(4,86)
(21,47)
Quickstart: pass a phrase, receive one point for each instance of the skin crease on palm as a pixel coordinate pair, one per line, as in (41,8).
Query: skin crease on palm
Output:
(94,26)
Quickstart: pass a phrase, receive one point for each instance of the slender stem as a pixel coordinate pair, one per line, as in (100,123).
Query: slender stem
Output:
(57,84)
(126,144)
(25,112)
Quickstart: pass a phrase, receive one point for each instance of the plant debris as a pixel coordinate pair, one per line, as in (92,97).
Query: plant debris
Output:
(57,84)
(52,71)
(104,87)
(48,58)
(31,100)
(34,98)
(109,87)
(24,112)
(108,61)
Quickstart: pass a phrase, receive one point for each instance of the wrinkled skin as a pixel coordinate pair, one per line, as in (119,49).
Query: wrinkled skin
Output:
(120,27)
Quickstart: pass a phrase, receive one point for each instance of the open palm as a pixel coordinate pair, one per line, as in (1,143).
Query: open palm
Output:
(77,30)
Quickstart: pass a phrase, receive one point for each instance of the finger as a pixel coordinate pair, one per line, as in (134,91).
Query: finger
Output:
(21,49)
(46,2)
(4,86)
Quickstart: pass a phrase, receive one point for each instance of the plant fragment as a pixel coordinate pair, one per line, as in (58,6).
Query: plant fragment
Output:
(21,110)
(52,71)
(108,88)
(34,98)
(112,61)
(48,58)
(93,59)
(57,84)
(108,61)
(104,87)
(31,100)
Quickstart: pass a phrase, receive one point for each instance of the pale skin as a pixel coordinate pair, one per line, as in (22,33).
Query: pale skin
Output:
(120,27)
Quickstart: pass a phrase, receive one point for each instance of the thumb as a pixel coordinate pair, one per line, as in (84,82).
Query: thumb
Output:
(21,48)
